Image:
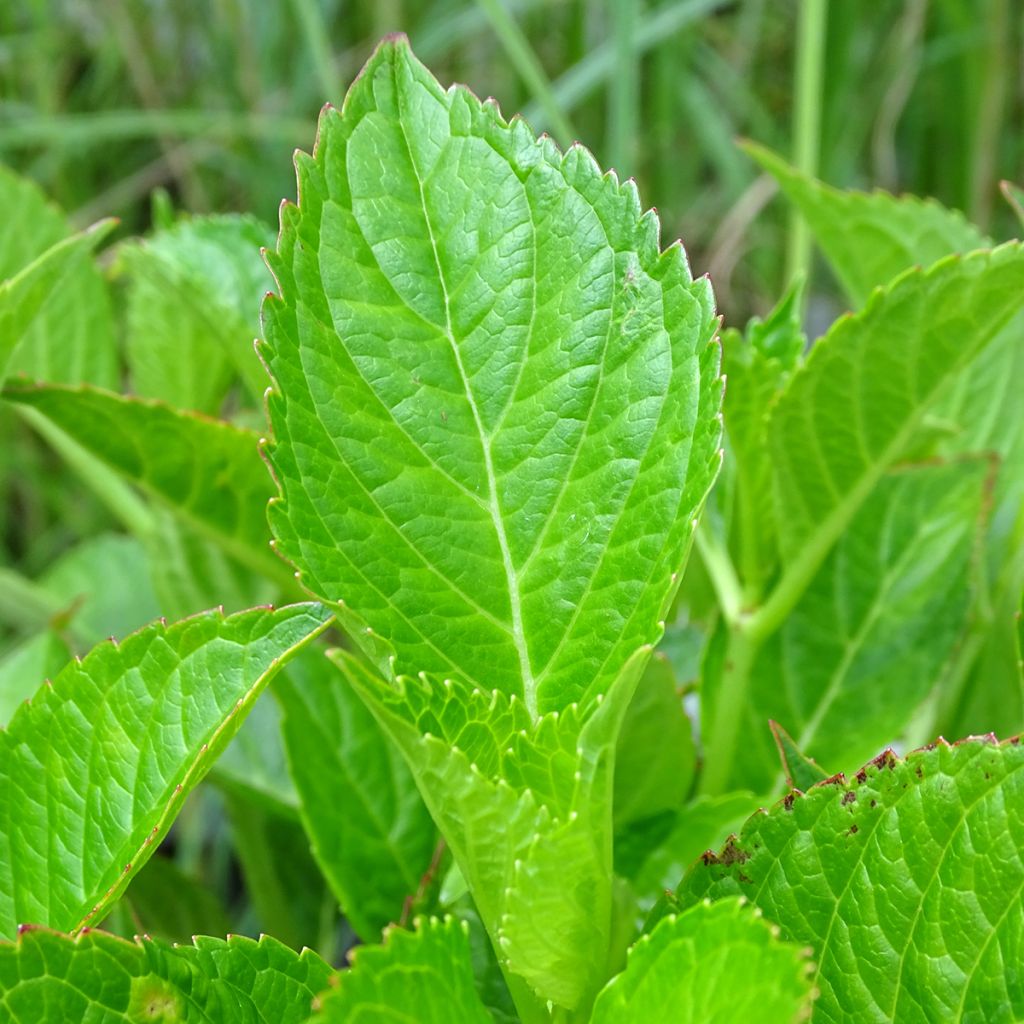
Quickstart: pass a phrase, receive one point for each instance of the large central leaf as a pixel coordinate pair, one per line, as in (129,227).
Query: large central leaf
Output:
(495,398)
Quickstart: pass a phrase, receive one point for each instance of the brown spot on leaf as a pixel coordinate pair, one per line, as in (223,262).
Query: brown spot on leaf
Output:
(848,797)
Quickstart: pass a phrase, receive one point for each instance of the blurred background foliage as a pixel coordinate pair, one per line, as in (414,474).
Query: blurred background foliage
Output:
(105,100)
(154,110)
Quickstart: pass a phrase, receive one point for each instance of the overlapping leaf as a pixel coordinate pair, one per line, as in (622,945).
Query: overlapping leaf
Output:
(71,338)
(25,295)
(905,880)
(424,976)
(869,238)
(97,765)
(370,831)
(867,642)
(193,293)
(102,979)
(713,964)
(858,403)
(208,472)
(495,401)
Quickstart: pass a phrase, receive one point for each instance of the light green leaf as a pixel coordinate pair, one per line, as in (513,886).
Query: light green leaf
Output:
(71,339)
(194,290)
(655,759)
(102,585)
(24,295)
(94,769)
(867,641)
(859,401)
(370,831)
(756,365)
(495,398)
(905,880)
(517,800)
(869,238)
(713,964)
(207,472)
(424,976)
(102,979)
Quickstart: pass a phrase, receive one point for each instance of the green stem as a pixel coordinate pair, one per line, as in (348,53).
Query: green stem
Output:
(730,703)
(720,570)
(524,60)
(810,57)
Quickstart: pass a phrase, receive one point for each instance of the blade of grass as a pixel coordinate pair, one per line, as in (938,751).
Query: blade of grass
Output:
(810,59)
(623,87)
(519,51)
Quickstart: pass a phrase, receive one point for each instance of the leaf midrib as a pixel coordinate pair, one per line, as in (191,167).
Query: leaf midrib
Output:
(511,576)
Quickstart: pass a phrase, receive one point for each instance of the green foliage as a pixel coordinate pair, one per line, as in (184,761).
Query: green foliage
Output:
(99,978)
(904,880)
(78,823)
(712,963)
(496,416)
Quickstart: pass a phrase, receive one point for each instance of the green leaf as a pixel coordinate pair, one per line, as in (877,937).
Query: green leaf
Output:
(757,365)
(905,880)
(517,800)
(24,295)
(207,472)
(859,401)
(167,903)
(654,855)
(72,338)
(424,976)
(102,979)
(867,642)
(370,831)
(94,769)
(801,771)
(103,586)
(655,759)
(191,316)
(869,238)
(495,400)
(26,665)
(713,964)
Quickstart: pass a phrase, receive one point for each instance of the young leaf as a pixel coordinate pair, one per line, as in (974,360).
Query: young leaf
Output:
(375,841)
(906,881)
(24,295)
(424,976)
(801,771)
(867,641)
(99,977)
(713,964)
(76,821)
(869,238)
(518,801)
(206,471)
(194,289)
(858,402)
(72,338)
(495,400)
